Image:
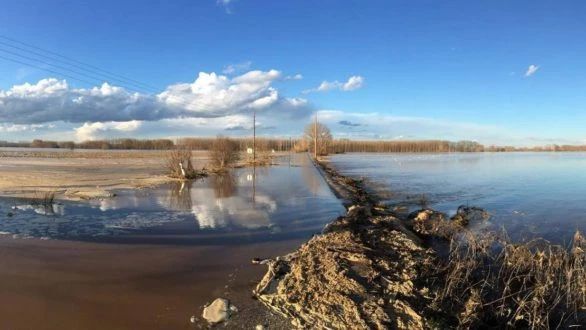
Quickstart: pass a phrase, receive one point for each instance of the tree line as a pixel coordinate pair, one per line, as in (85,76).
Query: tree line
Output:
(326,145)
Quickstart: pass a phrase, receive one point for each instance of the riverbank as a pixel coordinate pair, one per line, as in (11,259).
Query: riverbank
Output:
(373,268)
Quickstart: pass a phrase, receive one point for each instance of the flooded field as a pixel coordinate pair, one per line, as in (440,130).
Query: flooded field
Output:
(152,257)
(529,194)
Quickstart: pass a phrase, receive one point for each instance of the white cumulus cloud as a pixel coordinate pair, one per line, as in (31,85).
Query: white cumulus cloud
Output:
(210,95)
(92,131)
(531,70)
(353,83)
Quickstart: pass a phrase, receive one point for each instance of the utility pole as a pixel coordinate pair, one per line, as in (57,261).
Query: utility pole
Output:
(315,137)
(254,137)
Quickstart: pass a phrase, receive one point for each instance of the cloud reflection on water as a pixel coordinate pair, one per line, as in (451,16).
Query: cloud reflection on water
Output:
(274,198)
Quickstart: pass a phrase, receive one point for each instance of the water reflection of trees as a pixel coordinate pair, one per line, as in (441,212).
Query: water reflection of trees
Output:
(224,185)
(180,196)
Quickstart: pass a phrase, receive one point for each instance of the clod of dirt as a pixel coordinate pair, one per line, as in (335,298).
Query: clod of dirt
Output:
(469,214)
(424,221)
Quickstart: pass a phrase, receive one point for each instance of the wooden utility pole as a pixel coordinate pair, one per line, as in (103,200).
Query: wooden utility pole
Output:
(254,137)
(315,137)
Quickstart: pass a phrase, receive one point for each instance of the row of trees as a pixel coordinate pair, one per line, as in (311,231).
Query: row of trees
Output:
(315,135)
(126,144)
(319,136)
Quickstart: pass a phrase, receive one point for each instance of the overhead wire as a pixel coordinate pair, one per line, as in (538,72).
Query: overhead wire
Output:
(79,67)
(45,69)
(94,73)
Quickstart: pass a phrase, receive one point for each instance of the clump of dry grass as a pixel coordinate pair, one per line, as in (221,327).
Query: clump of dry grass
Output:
(263,155)
(40,199)
(492,282)
(44,198)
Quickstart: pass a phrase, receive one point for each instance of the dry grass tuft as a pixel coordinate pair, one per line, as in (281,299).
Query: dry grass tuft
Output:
(44,198)
(492,282)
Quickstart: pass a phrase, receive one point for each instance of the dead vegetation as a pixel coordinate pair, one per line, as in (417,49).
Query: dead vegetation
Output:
(44,198)
(490,282)
(224,153)
(180,166)
(263,155)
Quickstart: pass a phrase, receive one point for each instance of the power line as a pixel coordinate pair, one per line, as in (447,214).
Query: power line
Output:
(45,69)
(78,64)
(57,67)
(108,76)
(76,61)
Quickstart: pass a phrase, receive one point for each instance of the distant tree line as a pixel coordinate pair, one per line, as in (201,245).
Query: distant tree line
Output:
(328,146)
(346,145)
(243,143)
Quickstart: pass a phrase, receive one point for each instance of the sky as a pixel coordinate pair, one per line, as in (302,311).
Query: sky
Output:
(496,72)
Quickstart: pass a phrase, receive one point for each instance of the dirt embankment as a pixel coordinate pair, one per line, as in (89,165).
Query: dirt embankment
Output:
(362,272)
(367,270)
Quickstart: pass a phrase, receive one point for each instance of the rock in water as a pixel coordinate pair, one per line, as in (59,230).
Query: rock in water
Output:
(423,221)
(219,311)
(466,215)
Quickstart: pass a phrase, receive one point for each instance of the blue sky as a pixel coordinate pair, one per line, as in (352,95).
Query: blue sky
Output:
(393,69)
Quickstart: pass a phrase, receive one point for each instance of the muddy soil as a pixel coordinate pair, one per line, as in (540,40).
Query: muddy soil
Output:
(361,273)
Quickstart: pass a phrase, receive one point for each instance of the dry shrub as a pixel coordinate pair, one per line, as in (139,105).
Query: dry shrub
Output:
(263,153)
(224,153)
(180,158)
(44,199)
(492,282)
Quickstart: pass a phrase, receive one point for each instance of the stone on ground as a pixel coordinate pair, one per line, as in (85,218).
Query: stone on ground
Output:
(219,311)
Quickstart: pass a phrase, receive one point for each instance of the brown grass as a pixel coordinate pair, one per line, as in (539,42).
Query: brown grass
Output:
(492,282)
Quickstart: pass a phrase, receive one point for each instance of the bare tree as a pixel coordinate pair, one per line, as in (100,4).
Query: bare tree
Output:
(179,164)
(224,153)
(324,138)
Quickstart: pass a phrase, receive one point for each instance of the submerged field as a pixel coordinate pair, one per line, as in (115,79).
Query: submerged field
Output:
(152,256)
(122,246)
(529,194)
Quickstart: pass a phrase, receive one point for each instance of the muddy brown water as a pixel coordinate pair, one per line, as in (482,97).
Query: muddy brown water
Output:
(152,258)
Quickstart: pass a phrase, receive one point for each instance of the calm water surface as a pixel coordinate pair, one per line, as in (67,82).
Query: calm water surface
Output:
(530,194)
(271,203)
